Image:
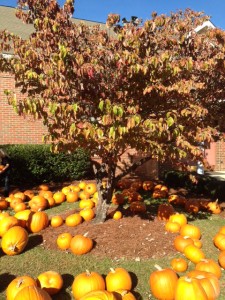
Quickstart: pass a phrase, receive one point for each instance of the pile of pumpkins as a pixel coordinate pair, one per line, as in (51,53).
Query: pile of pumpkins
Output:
(116,285)
(200,283)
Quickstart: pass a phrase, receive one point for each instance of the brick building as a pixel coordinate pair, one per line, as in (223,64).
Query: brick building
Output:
(16,129)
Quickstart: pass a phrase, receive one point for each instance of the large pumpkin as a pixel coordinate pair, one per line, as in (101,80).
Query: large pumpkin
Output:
(87,282)
(99,295)
(81,244)
(6,223)
(189,288)
(178,218)
(193,253)
(14,240)
(117,279)
(37,221)
(50,281)
(190,230)
(32,292)
(163,283)
(38,203)
(209,265)
(18,284)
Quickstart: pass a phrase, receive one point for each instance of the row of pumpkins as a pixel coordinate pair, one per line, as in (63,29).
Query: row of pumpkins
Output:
(202,283)
(116,285)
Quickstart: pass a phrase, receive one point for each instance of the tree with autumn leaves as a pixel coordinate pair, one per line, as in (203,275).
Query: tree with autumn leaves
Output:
(155,87)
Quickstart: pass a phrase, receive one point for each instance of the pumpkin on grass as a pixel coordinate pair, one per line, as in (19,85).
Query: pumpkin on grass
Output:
(87,282)
(14,240)
(179,264)
(56,221)
(118,279)
(87,214)
(50,281)
(189,288)
(190,230)
(18,284)
(180,242)
(32,292)
(193,253)
(99,295)
(163,283)
(38,203)
(73,220)
(214,207)
(6,223)
(126,295)
(81,244)
(209,265)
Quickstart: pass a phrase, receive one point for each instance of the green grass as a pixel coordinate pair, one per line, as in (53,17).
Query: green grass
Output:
(35,259)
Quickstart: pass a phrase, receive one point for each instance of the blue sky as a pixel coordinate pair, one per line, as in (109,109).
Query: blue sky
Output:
(97,10)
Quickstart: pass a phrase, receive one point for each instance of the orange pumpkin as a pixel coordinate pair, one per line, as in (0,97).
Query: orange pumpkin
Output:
(72,197)
(63,240)
(117,215)
(118,279)
(37,221)
(81,244)
(18,284)
(214,207)
(6,223)
(14,240)
(189,288)
(172,227)
(180,242)
(56,221)
(43,187)
(50,281)
(90,188)
(32,292)
(178,218)
(73,220)
(87,214)
(59,197)
(86,203)
(179,264)
(126,295)
(193,253)
(209,265)
(191,231)
(219,241)
(38,203)
(163,283)
(87,282)
(3,203)
(100,295)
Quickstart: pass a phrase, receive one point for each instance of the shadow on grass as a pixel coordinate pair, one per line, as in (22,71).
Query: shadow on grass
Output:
(5,280)
(34,241)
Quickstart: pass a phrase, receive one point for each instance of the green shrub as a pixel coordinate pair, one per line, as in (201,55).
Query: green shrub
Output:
(37,164)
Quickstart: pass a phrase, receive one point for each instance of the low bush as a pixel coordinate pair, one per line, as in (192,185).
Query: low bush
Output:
(37,164)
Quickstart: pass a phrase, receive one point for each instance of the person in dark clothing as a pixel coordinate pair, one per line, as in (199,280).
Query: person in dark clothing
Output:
(5,171)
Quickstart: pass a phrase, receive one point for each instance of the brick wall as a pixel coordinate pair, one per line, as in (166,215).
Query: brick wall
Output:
(16,129)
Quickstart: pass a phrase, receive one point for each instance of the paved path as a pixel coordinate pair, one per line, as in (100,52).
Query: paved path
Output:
(220,175)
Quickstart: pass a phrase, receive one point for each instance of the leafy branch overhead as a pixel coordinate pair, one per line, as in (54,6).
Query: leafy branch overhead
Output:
(155,87)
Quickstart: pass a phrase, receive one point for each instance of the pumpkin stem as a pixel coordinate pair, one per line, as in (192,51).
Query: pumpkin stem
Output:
(85,234)
(158,267)
(112,270)
(19,283)
(88,273)
(188,279)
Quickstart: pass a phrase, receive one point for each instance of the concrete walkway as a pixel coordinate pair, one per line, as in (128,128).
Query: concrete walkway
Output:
(220,175)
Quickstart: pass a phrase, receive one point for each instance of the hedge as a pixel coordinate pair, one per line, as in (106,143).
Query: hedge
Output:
(37,164)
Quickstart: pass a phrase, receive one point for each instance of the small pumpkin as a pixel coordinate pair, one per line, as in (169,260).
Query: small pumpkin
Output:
(172,227)
(87,214)
(73,220)
(117,279)
(81,244)
(50,281)
(178,218)
(63,240)
(90,188)
(59,197)
(193,253)
(14,240)
(6,223)
(99,295)
(179,264)
(219,241)
(56,221)
(72,196)
(214,207)
(38,203)
(180,242)
(87,282)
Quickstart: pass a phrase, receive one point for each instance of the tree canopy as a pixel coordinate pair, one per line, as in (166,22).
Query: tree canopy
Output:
(156,87)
